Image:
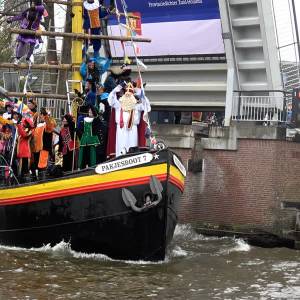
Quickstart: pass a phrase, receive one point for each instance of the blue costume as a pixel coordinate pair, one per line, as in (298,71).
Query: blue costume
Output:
(94,69)
(92,14)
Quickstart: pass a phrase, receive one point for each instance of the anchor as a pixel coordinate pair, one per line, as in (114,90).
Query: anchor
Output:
(156,189)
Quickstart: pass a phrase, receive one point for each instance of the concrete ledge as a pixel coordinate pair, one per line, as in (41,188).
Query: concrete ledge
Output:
(245,131)
(225,138)
(221,138)
(248,131)
(187,87)
(187,67)
(241,2)
(175,136)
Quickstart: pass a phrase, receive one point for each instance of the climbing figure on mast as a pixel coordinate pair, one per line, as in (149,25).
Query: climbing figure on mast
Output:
(93,12)
(30,19)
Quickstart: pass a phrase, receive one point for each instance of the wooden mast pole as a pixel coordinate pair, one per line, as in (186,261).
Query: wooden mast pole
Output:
(37,95)
(45,67)
(77,28)
(79,35)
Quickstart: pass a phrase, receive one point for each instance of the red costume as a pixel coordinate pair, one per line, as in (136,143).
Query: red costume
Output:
(25,131)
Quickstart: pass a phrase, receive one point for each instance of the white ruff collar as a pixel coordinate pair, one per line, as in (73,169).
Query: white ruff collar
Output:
(88,119)
(91,6)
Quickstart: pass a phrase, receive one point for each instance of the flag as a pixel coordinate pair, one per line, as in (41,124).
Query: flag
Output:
(141,64)
(20,107)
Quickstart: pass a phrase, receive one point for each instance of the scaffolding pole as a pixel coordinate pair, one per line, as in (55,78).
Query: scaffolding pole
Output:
(37,95)
(79,36)
(37,66)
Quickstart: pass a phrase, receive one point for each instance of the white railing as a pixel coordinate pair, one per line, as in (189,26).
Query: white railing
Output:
(56,107)
(259,108)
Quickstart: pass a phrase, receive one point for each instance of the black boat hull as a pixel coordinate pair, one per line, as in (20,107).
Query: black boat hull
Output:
(96,219)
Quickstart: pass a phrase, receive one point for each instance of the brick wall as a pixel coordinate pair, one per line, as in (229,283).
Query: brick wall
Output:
(243,187)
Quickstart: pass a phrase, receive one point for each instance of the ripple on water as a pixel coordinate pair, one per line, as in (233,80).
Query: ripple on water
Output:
(196,267)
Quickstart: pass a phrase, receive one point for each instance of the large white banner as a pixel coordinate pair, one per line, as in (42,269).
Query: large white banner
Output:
(178,27)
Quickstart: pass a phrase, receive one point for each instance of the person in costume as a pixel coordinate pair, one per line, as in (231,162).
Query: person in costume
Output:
(41,145)
(90,71)
(67,144)
(30,19)
(32,105)
(103,105)
(7,130)
(6,143)
(25,130)
(127,127)
(94,69)
(6,140)
(93,11)
(92,132)
(90,92)
(9,106)
(117,75)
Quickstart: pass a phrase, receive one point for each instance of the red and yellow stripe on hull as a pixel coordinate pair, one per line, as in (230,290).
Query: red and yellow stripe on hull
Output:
(90,183)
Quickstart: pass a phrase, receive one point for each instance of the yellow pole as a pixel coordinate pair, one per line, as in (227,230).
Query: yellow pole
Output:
(77,44)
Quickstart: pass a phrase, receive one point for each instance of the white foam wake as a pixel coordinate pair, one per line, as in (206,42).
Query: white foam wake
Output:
(64,249)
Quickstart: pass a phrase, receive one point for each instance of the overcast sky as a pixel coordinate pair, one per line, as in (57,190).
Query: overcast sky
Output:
(285,28)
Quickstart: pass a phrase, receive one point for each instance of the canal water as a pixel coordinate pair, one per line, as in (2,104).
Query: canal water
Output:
(197,267)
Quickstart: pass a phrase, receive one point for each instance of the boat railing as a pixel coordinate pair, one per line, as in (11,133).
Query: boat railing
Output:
(56,107)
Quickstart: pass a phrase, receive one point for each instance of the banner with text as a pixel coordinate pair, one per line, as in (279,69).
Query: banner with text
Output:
(176,27)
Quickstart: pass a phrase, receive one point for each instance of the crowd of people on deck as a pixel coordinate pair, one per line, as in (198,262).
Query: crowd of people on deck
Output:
(110,123)
(111,120)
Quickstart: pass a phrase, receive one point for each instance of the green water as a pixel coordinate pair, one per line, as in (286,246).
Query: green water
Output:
(196,268)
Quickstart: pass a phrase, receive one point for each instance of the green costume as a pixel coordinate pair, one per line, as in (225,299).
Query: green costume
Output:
(88,140)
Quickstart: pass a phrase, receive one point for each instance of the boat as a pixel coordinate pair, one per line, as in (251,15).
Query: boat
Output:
(126,208)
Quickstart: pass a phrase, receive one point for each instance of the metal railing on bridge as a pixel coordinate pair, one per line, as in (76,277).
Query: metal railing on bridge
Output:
(267,109)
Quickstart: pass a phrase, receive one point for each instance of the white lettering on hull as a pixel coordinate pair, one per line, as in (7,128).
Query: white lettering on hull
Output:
(124,163)
(179,165)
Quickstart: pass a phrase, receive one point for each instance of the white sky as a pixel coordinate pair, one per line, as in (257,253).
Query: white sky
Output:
(285,27)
